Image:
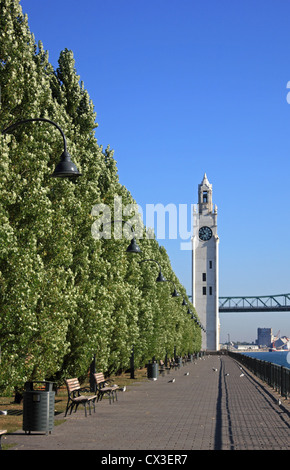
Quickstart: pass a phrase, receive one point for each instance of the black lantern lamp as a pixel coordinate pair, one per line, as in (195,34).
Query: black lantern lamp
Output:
(197,322)
(160,277)
(133,247)
(65,168)
(194,318)
(174,293)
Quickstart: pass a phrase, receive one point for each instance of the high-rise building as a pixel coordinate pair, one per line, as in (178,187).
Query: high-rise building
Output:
(264,336)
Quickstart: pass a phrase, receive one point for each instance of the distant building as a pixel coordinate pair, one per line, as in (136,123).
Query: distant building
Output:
(246,347)
(265,337)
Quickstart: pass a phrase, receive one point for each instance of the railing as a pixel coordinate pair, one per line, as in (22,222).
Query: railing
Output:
(274,375)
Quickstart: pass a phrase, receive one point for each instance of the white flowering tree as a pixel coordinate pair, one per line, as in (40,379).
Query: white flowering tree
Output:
(64,294)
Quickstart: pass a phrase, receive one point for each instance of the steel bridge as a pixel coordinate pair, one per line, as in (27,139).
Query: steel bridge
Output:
(264,303)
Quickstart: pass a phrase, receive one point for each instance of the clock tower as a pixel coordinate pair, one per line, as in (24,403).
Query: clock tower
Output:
(205,272)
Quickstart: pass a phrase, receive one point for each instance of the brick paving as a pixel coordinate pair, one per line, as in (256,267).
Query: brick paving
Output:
(205,410)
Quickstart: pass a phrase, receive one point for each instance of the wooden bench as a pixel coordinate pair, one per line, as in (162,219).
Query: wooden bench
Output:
(2,432)
(76,396)
(103,387)
(163,367)
(172,363)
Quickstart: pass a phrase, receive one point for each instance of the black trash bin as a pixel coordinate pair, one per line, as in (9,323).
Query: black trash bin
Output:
(179,362)
(38,407)
(152,370)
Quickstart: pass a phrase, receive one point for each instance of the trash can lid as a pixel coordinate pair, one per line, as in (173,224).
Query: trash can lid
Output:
(29,385)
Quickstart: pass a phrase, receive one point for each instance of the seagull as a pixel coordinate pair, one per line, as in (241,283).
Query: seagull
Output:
(279,402)
(123,389)
(215,370)
(227,374)
(186,373)
(173,380)
(242,375)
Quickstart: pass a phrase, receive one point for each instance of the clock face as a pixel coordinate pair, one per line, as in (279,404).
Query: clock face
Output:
(205,233)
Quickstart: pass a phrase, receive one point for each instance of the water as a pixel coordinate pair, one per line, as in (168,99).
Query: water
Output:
(282,358)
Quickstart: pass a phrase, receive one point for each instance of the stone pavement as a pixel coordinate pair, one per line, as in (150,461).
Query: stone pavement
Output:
(205,410)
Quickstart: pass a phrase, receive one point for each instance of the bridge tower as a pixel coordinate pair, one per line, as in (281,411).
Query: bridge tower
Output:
(205,267)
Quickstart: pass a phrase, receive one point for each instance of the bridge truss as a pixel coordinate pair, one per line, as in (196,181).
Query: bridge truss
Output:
(264,303)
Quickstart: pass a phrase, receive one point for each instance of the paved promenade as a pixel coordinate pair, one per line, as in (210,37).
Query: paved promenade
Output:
(205,410)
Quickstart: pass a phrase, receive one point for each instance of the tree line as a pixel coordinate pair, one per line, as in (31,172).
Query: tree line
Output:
(65,295)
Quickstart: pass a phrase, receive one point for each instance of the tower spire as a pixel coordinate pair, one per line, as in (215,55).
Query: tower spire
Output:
(205,180)
(205,196)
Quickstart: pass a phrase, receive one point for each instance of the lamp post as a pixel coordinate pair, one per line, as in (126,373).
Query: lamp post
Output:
(193,317)
(133,247)
(160,278)
(196,320)
(65,168)
(184,301)
(174,293)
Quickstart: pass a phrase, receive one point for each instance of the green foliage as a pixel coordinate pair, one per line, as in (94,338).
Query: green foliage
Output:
(65,296)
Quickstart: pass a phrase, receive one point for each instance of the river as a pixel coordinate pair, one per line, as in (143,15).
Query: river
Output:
(282,358)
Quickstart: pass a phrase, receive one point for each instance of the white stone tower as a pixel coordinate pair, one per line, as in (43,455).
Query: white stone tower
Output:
(205,268)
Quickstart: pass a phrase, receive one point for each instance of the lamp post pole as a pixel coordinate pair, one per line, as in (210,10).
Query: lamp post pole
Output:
(65,168)
(160,278)
(133,247)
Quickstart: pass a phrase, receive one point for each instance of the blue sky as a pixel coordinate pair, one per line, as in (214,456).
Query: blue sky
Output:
(186,87)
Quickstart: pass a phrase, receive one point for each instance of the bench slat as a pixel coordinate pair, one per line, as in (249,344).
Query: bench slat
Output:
(99,377)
